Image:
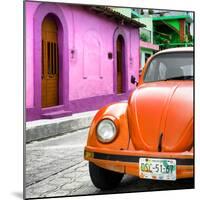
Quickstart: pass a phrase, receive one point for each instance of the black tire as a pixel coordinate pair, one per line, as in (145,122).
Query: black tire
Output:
(104,179)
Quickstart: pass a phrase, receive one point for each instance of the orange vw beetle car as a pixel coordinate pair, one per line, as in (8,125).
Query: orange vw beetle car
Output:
(151,135)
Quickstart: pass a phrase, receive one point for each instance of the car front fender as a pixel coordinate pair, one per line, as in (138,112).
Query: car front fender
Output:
(116,112)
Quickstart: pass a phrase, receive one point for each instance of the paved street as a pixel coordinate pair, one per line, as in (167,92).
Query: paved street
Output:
(55,167)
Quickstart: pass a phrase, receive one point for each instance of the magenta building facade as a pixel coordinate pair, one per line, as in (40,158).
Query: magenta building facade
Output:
(87,52)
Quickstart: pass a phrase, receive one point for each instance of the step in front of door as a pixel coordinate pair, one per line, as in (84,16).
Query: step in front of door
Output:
(56,114)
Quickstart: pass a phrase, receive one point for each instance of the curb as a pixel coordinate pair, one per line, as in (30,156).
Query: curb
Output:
(43,129)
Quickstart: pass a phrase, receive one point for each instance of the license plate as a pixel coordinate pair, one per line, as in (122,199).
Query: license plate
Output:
(158,169)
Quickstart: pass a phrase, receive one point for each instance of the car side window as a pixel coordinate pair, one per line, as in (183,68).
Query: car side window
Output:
(150,75)
(187,70)
(162,71)
(169,66)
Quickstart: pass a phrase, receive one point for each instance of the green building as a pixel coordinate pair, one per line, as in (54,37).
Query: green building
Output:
(163,29)
(172,31)
(147,46)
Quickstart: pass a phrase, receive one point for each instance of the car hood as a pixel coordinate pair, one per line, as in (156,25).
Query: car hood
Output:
(161,116)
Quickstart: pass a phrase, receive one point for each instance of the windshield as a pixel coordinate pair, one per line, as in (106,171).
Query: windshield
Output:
(170,66)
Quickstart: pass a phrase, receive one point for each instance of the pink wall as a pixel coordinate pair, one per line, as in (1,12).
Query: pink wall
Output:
(30,9)
(149,45)
(91,38)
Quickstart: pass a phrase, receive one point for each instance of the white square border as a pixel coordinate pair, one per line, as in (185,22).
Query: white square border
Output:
(11,52)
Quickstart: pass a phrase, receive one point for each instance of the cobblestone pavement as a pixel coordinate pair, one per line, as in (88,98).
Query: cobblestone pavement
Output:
(55,167)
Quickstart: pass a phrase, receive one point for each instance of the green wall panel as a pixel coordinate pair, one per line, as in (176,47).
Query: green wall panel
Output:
(174,23)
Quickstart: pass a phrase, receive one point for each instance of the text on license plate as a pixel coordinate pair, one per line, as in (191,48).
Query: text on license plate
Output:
(156,168)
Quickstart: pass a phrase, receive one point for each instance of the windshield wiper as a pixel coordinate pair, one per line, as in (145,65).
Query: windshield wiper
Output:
(180,78)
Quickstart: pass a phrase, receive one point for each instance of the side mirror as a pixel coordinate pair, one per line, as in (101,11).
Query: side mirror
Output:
(133,80)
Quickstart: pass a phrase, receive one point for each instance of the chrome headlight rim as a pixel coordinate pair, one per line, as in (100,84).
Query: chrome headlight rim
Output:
(114,125)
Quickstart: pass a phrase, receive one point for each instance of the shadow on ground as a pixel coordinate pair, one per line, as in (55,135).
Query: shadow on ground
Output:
(134,184)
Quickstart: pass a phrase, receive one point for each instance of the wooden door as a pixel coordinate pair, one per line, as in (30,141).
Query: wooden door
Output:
(50,63)
(120,65)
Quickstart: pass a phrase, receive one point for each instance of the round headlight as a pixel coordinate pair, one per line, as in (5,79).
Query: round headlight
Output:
(106,131)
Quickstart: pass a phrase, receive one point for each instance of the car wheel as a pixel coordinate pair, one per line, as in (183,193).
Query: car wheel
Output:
(103,178)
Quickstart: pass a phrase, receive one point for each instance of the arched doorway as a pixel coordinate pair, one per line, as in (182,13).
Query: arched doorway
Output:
(120,65)
(50,63)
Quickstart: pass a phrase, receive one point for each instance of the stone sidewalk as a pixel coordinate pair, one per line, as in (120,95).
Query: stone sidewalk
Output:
(55,166)
(45,128)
